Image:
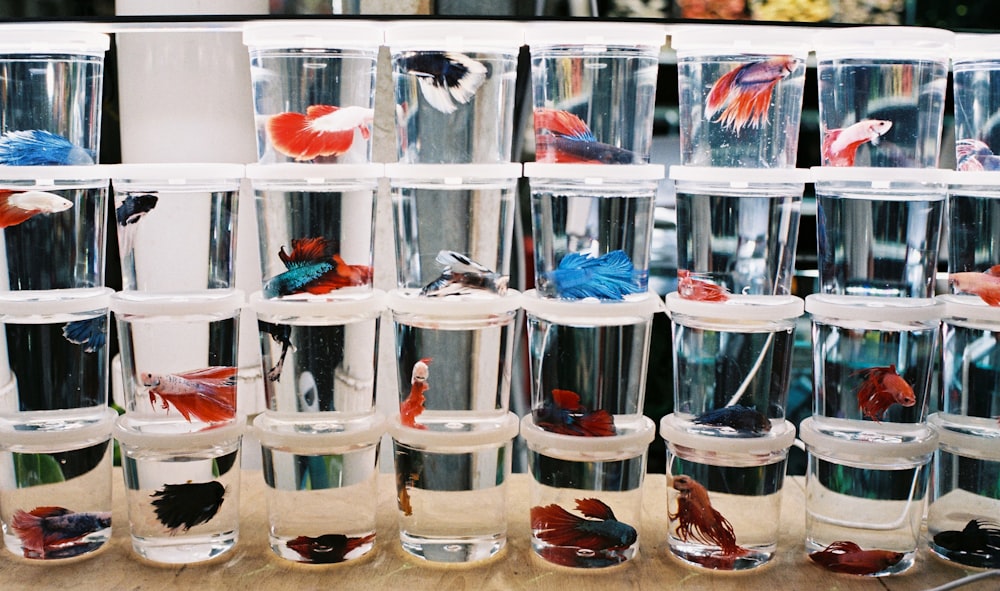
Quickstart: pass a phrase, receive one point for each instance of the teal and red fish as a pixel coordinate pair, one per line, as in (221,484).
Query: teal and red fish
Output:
(179,507)
(840,146)
(698,521)
(978,540)
(324,130)
(207,394)
(446,78)
(610,276)
(462,275)
(313,268)
(847,557)
(743,95)
(37,147)
(328,548)
(19,206)
(90,332)
(743,419)
(985,285)
(561,136)
(596,539)
(566,416)
(882,387)
(695,286)
(973,154)
(56,532)
(413,406)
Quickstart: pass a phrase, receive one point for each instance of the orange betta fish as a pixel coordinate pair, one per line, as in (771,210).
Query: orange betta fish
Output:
(566,416)
(848,557)
(697,520)
(744,94)
(411,408)
(207,394)
(840,146)
(324,130)
(882,387)
(985,285)
(692,286)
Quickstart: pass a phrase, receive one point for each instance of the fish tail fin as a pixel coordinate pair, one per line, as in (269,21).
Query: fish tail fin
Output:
(28,528)
(599,423)
(355,543)
(305,250)
(465,87)
(595,508)
(556,525)
(292,135)
(566,399)
(340,276)
(721,91)
(10,214)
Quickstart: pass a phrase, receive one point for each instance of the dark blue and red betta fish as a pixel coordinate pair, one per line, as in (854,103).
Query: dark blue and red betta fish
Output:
(602,534)
(37,147)
(610,276)
(744,419)
(446,79)
(978,542)
(744,94)
(183,506)
(313,268)
(561,136)
(971,154)
(90,332)
(564,415)
(328,548)
(55,532)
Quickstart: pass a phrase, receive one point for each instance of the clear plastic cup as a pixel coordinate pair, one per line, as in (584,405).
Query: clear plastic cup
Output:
(865,497)
(55,487)
(316,226)
(466,252)
(588,363)
(878,230)
(182,490)
(177,225)
(321,472)
(594,86)
(592,229)
(713,481)
(319,356)
(969,397)
(586,494)
(313,89)
(453,355)
(740,94)
(454,89)
(881,95)
(973,220)
(975,73)
(732,363)
(738,228)
(52,220)
(179,358)
(52,110)
(451,485)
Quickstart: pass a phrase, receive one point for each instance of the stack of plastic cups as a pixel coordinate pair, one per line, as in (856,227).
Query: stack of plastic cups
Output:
(55,424)
(453,191)
(738,198)
(589,320)
(318,314)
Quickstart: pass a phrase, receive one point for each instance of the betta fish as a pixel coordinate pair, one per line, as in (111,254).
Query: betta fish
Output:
(564,415)
(463,275)
(324,130)
(848,557)
(403,490)
(979,538)
(445,78)
(693,286)
(91,333)
(183,506)
(207,394)
(48,532)
(697,520)
(36,147)
(19,206)
(601,533)
(135,207)
(281,334)
(739,418)
(561,136)
(744,94)
(985,285)
(411,408)
(610,276)
(312,268)
(327,548)
(840,146)
(882,387)
(975,155)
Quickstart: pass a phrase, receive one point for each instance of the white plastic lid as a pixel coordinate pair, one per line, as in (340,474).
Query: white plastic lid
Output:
(974,46)
(480,432)
(626,441)
(780,437)
(48,175)
(454,35)
(302,34)
(878,177)
(594,174)
(980,443)
(452,174)
(739,307)
(739,178)
(969,307)
(55,301)
(594,36)
(49,430)
(957,179)
(466,305)
(317,432)
(175,174)
(55,38)
(878,441)
(315,174)
(874,308)
(701,39)
(212,301)
(372,304)
(634,308)
(145,434)
(886,43)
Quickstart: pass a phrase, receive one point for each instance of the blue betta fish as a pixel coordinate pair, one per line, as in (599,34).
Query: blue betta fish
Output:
(608,277)
(37,147)
(744,419)
(50,532)
(90,332)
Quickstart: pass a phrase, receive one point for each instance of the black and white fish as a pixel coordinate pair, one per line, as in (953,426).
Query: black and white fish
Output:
(445,78)
(462,275)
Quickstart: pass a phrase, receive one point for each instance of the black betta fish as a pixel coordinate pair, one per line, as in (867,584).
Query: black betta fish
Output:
(183,506)
(328,548)
(744,419)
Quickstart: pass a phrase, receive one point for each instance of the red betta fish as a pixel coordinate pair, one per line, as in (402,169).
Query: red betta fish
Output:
(882,387)
(848,557)
(840,146)
(19,206)
(744,94)
(324,130)
(45,531)
(207,394)
(561,136)
(691,286)
(565,415)
(328,548)
(985,285)
(697,520)
(411,408)
(313,268)
(602,533)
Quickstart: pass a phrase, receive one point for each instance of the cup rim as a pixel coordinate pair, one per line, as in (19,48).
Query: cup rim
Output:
(313,174)
(605,312)
(722,39)
(409,301)
(500,430)
(97,430)
(171,174)
(547,34)
(780,437)
(883,445)
(879,177)
(138,303)
(539,439)
(874,308)
(53,38)
(957,179)
(282,430)
(454,35)
(971,307)
(325,34)
(452,174)
(55,301)
(593,174)
(983,446)
(371,304)
(736,178)
(884,42)
(125,431)
(84,173)
(739,307)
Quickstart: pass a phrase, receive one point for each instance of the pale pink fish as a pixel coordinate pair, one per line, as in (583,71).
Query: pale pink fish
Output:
(840,146)
(985,285)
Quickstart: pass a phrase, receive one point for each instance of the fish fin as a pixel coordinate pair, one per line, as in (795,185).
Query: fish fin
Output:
(566,399)
(743,104)
(556,525)
(595,509)
(355,543)
(561,123)
(471,75)
(305,250)
(992,299)
(28,528)
(340,276)
(436,95)
(12,214)
(317,111)
(829,156)
(994,271)
(598,423)
(202,407)
(292,135)
(459,262)
(37,147)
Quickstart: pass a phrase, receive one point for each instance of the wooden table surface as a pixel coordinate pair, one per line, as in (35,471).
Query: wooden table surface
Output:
(252,565)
